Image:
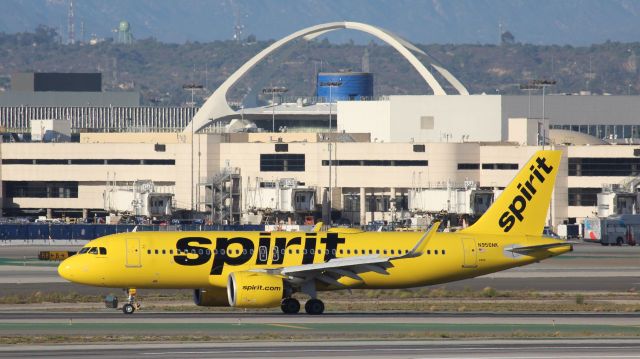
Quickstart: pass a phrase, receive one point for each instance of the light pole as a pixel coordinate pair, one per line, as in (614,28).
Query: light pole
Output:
(538,84)
(273,91)
(331,85)
(192,87)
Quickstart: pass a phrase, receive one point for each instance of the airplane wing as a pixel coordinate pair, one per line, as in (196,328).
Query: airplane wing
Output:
(329,272)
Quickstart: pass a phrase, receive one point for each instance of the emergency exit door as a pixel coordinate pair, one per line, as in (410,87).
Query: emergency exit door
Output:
(132,255)
(470,250)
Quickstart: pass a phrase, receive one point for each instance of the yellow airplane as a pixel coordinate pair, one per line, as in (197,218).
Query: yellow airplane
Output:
(264,269)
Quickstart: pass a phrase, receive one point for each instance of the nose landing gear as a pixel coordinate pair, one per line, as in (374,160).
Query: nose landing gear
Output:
(132,305)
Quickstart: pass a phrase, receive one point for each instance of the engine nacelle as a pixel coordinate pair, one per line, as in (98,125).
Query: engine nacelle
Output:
(254,290)
(211,297)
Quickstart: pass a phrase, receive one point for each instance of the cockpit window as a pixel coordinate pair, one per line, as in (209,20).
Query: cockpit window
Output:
(84,250)
(103,251)
(93,250)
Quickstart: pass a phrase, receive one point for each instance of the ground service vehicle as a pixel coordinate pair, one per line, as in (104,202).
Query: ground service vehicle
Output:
(262,269)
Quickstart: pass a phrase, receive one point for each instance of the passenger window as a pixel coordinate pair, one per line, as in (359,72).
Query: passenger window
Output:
(333,251)
(148,251)
(348,251)
(370,251)
(392,251)
(244,251)
(319,251)
(93,250)
(156,251)
(428,251)
(305,251)
(281,251)
(222,251)
(164,251)
(84,250)
(443,251)
(170,251)
(355,251)
(341,251)
(385,251)
(208,252)
(435,252)
(290,251)
(377,251)
(312,251)
(103,251)
(297,251)
(200,251)
(193,251)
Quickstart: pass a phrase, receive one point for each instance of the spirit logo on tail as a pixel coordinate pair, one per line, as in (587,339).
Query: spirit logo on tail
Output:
(528,191)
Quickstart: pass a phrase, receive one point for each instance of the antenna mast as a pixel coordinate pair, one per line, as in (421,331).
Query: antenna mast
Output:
(71,32)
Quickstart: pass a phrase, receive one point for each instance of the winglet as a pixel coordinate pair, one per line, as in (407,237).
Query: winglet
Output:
(317,227)
(418,249)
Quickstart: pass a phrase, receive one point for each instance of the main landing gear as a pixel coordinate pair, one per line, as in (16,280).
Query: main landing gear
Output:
(292,306)
(132,305)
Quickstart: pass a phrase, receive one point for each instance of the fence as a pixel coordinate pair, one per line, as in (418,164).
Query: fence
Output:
(92,231)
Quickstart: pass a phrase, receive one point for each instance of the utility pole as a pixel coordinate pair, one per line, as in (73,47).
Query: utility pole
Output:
(331,85)
(192,87)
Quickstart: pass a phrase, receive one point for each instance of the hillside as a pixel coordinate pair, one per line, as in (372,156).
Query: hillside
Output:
(159,69)
(575,22)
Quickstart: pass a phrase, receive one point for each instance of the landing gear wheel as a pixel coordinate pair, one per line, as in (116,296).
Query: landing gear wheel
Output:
(314,307)
(290,306)
(128,308)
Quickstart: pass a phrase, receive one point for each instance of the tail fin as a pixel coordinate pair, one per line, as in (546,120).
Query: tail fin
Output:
(522,207)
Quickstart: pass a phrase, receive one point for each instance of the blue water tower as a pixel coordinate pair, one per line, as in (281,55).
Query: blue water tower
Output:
(344,86)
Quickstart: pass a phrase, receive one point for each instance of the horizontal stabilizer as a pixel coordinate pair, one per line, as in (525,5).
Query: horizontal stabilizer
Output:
(524,250)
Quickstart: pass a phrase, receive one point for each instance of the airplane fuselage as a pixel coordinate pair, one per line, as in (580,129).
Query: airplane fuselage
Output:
(205,259)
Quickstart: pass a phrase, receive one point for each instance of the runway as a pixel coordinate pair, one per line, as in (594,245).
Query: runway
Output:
(522,349)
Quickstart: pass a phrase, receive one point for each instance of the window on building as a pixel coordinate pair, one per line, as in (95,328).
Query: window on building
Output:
(378,163)
(377,203)
(159,162)
(16,161)
(584,196)
(282,147)
(605,166)
(468,166)
(52,162)
(499,166)
(38,189)
(123,162)
(351,202)
(282,162)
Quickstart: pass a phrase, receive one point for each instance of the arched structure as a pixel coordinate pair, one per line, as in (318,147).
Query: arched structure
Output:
(216,107)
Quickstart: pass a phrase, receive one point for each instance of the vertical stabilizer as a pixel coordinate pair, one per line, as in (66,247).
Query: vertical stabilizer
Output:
(522,207)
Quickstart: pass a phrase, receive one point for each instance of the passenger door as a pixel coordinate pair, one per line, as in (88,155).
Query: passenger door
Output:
(132,254)
(470,251)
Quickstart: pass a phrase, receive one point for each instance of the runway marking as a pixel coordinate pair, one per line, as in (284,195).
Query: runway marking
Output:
(287,326)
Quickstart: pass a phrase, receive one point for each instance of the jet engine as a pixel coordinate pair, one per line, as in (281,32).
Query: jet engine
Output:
(254,290)
(210,297)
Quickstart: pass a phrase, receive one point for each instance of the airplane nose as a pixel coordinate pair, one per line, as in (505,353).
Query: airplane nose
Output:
(65,270)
